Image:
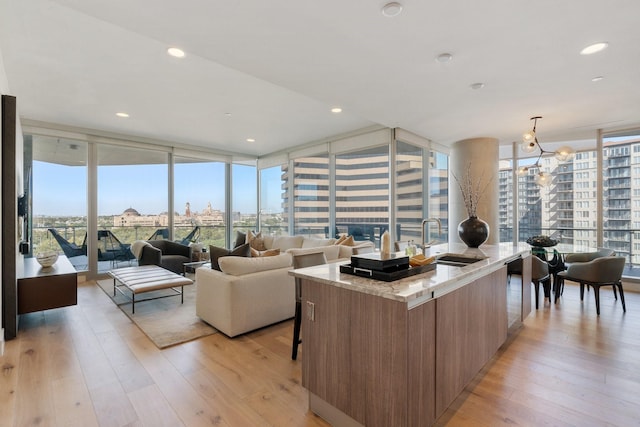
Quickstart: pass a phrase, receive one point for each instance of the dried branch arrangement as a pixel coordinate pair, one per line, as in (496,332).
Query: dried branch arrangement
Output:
(472,190)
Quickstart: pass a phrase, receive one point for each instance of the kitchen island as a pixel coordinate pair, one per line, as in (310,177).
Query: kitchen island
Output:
(398,353)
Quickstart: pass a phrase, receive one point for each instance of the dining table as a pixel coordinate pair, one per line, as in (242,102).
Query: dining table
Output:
(555,257)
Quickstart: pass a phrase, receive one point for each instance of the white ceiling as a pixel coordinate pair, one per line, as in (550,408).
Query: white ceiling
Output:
(278,67)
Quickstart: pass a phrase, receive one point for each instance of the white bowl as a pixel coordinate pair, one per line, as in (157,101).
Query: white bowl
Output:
(47,259)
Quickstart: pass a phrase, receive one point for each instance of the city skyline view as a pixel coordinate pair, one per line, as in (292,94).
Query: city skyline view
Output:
(118,189)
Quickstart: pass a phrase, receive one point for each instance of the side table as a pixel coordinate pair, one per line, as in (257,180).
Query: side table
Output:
(190,267)
(44,288)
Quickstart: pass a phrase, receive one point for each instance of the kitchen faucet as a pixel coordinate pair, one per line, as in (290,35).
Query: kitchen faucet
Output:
(425,221)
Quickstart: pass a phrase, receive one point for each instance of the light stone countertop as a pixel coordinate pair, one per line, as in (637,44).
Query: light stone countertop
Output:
(417,289)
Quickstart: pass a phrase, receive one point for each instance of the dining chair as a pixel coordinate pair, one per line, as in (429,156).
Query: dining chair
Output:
(302,261)
(540,274)
(514,267)
(603,271)
(588,256)
(400,246)
(571,258)
(556,265)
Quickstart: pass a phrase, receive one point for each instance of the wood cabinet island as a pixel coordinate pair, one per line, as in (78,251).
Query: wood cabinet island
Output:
(398,353)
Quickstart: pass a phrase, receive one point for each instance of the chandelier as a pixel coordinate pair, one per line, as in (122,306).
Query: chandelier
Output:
(530,144)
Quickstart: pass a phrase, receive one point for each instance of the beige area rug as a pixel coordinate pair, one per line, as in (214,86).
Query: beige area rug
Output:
(165,321)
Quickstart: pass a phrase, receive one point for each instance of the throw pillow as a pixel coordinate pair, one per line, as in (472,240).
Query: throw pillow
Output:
(268,252)
(256,241)
(216,253)
(348,241)
(340,239)
(241,239)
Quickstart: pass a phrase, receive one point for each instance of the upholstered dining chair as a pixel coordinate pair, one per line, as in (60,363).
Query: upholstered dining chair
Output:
(514,267)
(540,274)
(400,246)
(302,261)
(588,256)
(558,285)
(603,271)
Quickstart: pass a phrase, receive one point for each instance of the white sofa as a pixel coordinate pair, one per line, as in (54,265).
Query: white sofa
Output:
(250,293)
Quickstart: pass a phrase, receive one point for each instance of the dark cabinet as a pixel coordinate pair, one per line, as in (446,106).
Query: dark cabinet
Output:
(45,288)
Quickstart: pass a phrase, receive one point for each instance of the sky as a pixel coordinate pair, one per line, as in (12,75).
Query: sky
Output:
(60,190)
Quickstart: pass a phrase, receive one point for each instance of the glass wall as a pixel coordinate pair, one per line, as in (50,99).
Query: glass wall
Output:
(132,201)
(273,200)
(244,197)
(199,198)
(409,192)
(58,179)
(505,198)
(311,196)
(621,196)
(133,196)
(362,193)
(439,193)
(585,206)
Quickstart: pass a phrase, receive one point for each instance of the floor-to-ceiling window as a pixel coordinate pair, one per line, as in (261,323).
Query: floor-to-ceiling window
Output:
(621,195)
(199,198)
(311,196)
(132,200)
(439,193)
(585,205)
(58,220)
(362,193)
(505,198)
(244,197)
(273,201)
(409,187)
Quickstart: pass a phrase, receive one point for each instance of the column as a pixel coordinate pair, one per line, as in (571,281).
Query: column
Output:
(478,157)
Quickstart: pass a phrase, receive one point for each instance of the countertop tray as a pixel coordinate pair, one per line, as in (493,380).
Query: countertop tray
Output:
(386,276)
(378,261)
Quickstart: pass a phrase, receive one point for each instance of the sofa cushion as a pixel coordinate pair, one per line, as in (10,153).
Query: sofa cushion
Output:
(238,266)
(256,241)
(268,252)
(217,253)
(314,243)
(287,242)
(331,252)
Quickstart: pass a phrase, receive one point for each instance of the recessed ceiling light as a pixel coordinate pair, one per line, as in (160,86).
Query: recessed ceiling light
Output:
(391,9)
(227,114)
(477,86)
(123,115)
(597,78)
(594,48)
(444,57)
(336,110)
(251,140)
(175,52)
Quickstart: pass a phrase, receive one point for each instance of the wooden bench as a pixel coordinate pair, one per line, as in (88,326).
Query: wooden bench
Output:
(147,278)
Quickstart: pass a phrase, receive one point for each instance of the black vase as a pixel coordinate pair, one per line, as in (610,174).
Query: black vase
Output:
(473,231)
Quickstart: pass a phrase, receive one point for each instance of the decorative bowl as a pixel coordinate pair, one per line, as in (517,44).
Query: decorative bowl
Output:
(542,241)
(47,258)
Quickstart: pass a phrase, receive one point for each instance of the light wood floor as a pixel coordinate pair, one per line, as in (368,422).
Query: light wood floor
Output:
(89,365)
